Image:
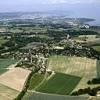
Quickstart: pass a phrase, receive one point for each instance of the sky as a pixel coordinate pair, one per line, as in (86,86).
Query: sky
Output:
(42,5)
(75,8)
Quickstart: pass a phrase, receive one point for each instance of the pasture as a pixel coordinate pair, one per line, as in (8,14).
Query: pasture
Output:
(59,83)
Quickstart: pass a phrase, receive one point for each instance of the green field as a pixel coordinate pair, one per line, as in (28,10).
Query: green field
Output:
(2,41)
(4,63)
(35,80)
(76,66)
(28,30)
(7,93)
(42,96)
(59,84)
(97,48)
(98,68)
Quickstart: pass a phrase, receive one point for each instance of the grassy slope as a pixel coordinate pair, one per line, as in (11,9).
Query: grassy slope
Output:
(59,84)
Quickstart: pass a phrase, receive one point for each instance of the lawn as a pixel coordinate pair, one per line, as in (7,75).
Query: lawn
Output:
(59,84)
(35,80)
(4,63)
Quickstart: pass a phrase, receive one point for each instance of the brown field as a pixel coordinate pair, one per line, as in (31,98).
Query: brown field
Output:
(14,78)
(7,93)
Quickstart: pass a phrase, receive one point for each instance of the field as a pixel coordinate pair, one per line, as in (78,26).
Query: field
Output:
(4,63)
(69,74)
(14,78)
(7,93)
(98,68)
(76,66)
(43,96)
(28,30)
(35,80)
(97,48)
(2,41)
(88,37)
(59,84)
(70,65)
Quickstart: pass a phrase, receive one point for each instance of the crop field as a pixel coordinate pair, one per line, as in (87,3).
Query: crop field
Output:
(7,93)
(43,96)
(28,30)
(35,80)
(14,78)
(97,48)
(4,63)
(77,66)
(70,65)
(98,68)
(2,29)
(70,74)
(86,38)
(89,73)
(2,41)
(59,83)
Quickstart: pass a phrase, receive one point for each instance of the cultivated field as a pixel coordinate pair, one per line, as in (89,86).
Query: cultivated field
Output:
(2,41)
(97,48)
(89,37)
(77,66)
(89,73)
(5,63)
(43,96)
(98,68)
(14,78)
(35,80)
(7,93)
(59,83)
(70,65)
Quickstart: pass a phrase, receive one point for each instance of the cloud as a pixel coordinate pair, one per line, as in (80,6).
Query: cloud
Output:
(69,1)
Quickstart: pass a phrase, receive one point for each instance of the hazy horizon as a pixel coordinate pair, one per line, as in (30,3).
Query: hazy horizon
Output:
(72,8)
